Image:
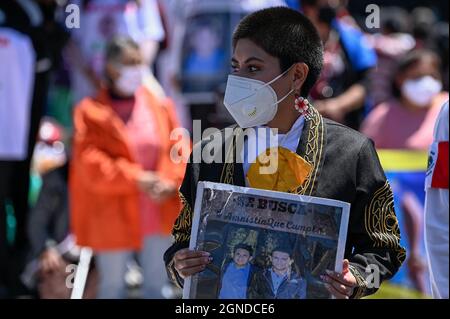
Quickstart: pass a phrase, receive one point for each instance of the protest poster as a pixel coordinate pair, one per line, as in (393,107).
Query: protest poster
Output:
(265,244)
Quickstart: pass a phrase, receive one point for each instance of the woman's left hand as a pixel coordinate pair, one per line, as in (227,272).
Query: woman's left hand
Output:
(340,285)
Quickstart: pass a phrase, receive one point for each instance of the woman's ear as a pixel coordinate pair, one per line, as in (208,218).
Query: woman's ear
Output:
(300,73)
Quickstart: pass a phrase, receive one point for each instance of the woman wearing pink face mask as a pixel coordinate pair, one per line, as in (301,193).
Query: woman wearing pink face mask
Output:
(406,121)
(123,183)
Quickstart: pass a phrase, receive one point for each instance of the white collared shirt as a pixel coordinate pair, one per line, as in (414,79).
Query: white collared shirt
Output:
(436,210)
(256,143)
(18,67)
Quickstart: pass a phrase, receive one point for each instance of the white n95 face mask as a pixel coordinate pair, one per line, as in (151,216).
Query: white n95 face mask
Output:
(251,102)
(130,78)
(422,90)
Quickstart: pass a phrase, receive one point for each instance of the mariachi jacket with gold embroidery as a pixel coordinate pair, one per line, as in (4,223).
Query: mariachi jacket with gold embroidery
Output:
(346,168)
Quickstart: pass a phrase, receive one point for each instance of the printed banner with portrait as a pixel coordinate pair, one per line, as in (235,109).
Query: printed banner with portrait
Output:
(265,244)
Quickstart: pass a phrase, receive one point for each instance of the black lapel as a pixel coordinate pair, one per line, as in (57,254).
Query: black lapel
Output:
(312,148)
(239,176)
(232,171)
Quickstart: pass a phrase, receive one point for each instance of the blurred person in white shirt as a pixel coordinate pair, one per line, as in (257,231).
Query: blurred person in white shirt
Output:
(436,208)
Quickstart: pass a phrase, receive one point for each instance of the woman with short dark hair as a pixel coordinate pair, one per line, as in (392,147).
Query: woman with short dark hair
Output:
(277,57)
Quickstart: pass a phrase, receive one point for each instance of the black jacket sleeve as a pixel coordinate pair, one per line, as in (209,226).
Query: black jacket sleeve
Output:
(374,232)
(183,224)
(49,219)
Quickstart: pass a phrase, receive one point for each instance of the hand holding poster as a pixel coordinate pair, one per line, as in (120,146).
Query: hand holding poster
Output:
(265,244)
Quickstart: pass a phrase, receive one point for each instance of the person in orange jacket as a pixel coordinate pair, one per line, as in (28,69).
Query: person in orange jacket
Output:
(123,182)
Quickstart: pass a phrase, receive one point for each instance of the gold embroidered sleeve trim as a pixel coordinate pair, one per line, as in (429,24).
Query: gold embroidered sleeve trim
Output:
(313,152)
(381,224)
(182,227)
(361,287)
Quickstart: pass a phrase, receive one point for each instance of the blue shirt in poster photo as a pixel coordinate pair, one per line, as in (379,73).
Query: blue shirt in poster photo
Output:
(234,282)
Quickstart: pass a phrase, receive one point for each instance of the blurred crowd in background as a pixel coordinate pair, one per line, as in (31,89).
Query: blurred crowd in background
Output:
(154,65)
